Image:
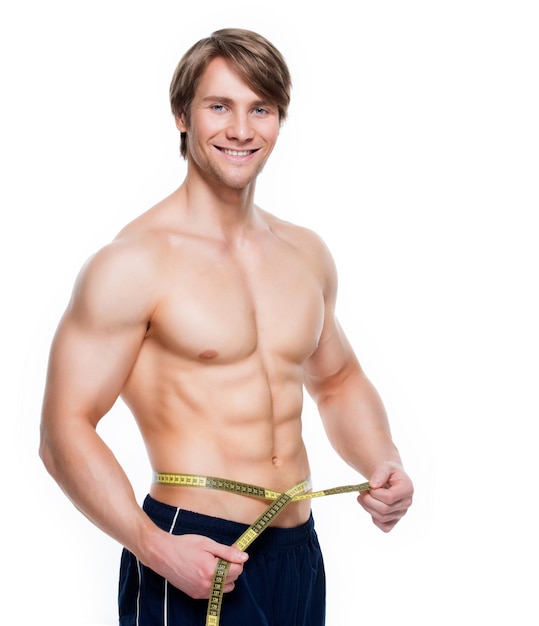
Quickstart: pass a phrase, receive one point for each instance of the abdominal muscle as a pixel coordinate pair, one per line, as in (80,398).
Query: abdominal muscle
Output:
(232,421)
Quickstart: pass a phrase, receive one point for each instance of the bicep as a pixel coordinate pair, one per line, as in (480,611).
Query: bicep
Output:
(332,361)
(95,345)
(87,369)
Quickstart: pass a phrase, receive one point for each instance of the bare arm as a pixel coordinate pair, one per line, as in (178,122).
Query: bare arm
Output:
(355,418)
(351,409)
(93,352)
(91,356)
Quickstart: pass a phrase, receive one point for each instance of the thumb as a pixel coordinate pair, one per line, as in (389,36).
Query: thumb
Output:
(386,475)
(230,553)
(380,477)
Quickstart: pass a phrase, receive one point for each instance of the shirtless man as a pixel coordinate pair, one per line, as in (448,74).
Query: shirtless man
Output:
(209,316)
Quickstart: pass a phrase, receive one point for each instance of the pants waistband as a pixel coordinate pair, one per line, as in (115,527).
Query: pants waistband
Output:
(181,521)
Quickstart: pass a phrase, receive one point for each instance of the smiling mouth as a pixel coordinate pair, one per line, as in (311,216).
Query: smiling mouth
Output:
(237,153)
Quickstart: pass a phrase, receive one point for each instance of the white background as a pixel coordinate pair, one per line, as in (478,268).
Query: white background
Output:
(412,148)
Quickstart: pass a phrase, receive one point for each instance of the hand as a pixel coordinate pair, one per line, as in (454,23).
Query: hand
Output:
(390,495)
(189,563)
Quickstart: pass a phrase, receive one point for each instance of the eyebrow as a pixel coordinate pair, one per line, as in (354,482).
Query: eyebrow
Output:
(229,101)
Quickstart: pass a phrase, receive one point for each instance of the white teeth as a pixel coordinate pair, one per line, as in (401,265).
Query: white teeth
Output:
(237,152)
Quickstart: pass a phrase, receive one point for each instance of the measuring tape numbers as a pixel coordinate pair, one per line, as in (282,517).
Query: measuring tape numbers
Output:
(279,501)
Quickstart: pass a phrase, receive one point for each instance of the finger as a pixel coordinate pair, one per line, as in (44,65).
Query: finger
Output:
(229,586)
(234,572)
(378,497)
(380,477)
(381,509)
(390,518)
(385,526)
(386,496)
(230,553)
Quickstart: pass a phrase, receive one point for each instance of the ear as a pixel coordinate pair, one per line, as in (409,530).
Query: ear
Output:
(180,123)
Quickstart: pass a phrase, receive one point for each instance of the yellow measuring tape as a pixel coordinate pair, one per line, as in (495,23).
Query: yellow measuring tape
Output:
(280,501)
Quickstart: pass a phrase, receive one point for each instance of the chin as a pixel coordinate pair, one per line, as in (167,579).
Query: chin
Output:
(237,182)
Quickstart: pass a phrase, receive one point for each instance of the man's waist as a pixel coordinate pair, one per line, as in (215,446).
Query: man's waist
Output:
(226,498)
(227,485)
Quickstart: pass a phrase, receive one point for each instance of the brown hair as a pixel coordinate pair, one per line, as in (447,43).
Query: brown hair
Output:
(255,59)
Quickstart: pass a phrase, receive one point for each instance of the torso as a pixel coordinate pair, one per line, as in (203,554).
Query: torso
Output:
(217,386)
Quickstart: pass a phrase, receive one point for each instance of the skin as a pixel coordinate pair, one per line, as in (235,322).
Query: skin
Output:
(209,317)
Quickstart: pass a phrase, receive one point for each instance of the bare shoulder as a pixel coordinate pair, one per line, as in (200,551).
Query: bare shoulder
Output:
(123,275)
(306,241)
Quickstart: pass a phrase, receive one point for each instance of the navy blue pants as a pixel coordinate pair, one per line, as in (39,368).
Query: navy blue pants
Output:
(282,584)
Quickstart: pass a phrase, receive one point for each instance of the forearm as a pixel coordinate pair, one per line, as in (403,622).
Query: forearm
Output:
(87,471)
(356,424)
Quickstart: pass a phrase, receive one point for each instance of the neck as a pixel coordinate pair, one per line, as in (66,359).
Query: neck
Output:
(216,209)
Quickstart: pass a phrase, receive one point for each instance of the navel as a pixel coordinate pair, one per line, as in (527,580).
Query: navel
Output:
(276,460)
(208,355)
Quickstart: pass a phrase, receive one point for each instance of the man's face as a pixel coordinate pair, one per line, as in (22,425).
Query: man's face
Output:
(232,130)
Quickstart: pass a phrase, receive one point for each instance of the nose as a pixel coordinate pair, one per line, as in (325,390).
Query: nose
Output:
(240,127)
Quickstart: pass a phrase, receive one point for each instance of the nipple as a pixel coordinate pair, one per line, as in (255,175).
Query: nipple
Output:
(208,355)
